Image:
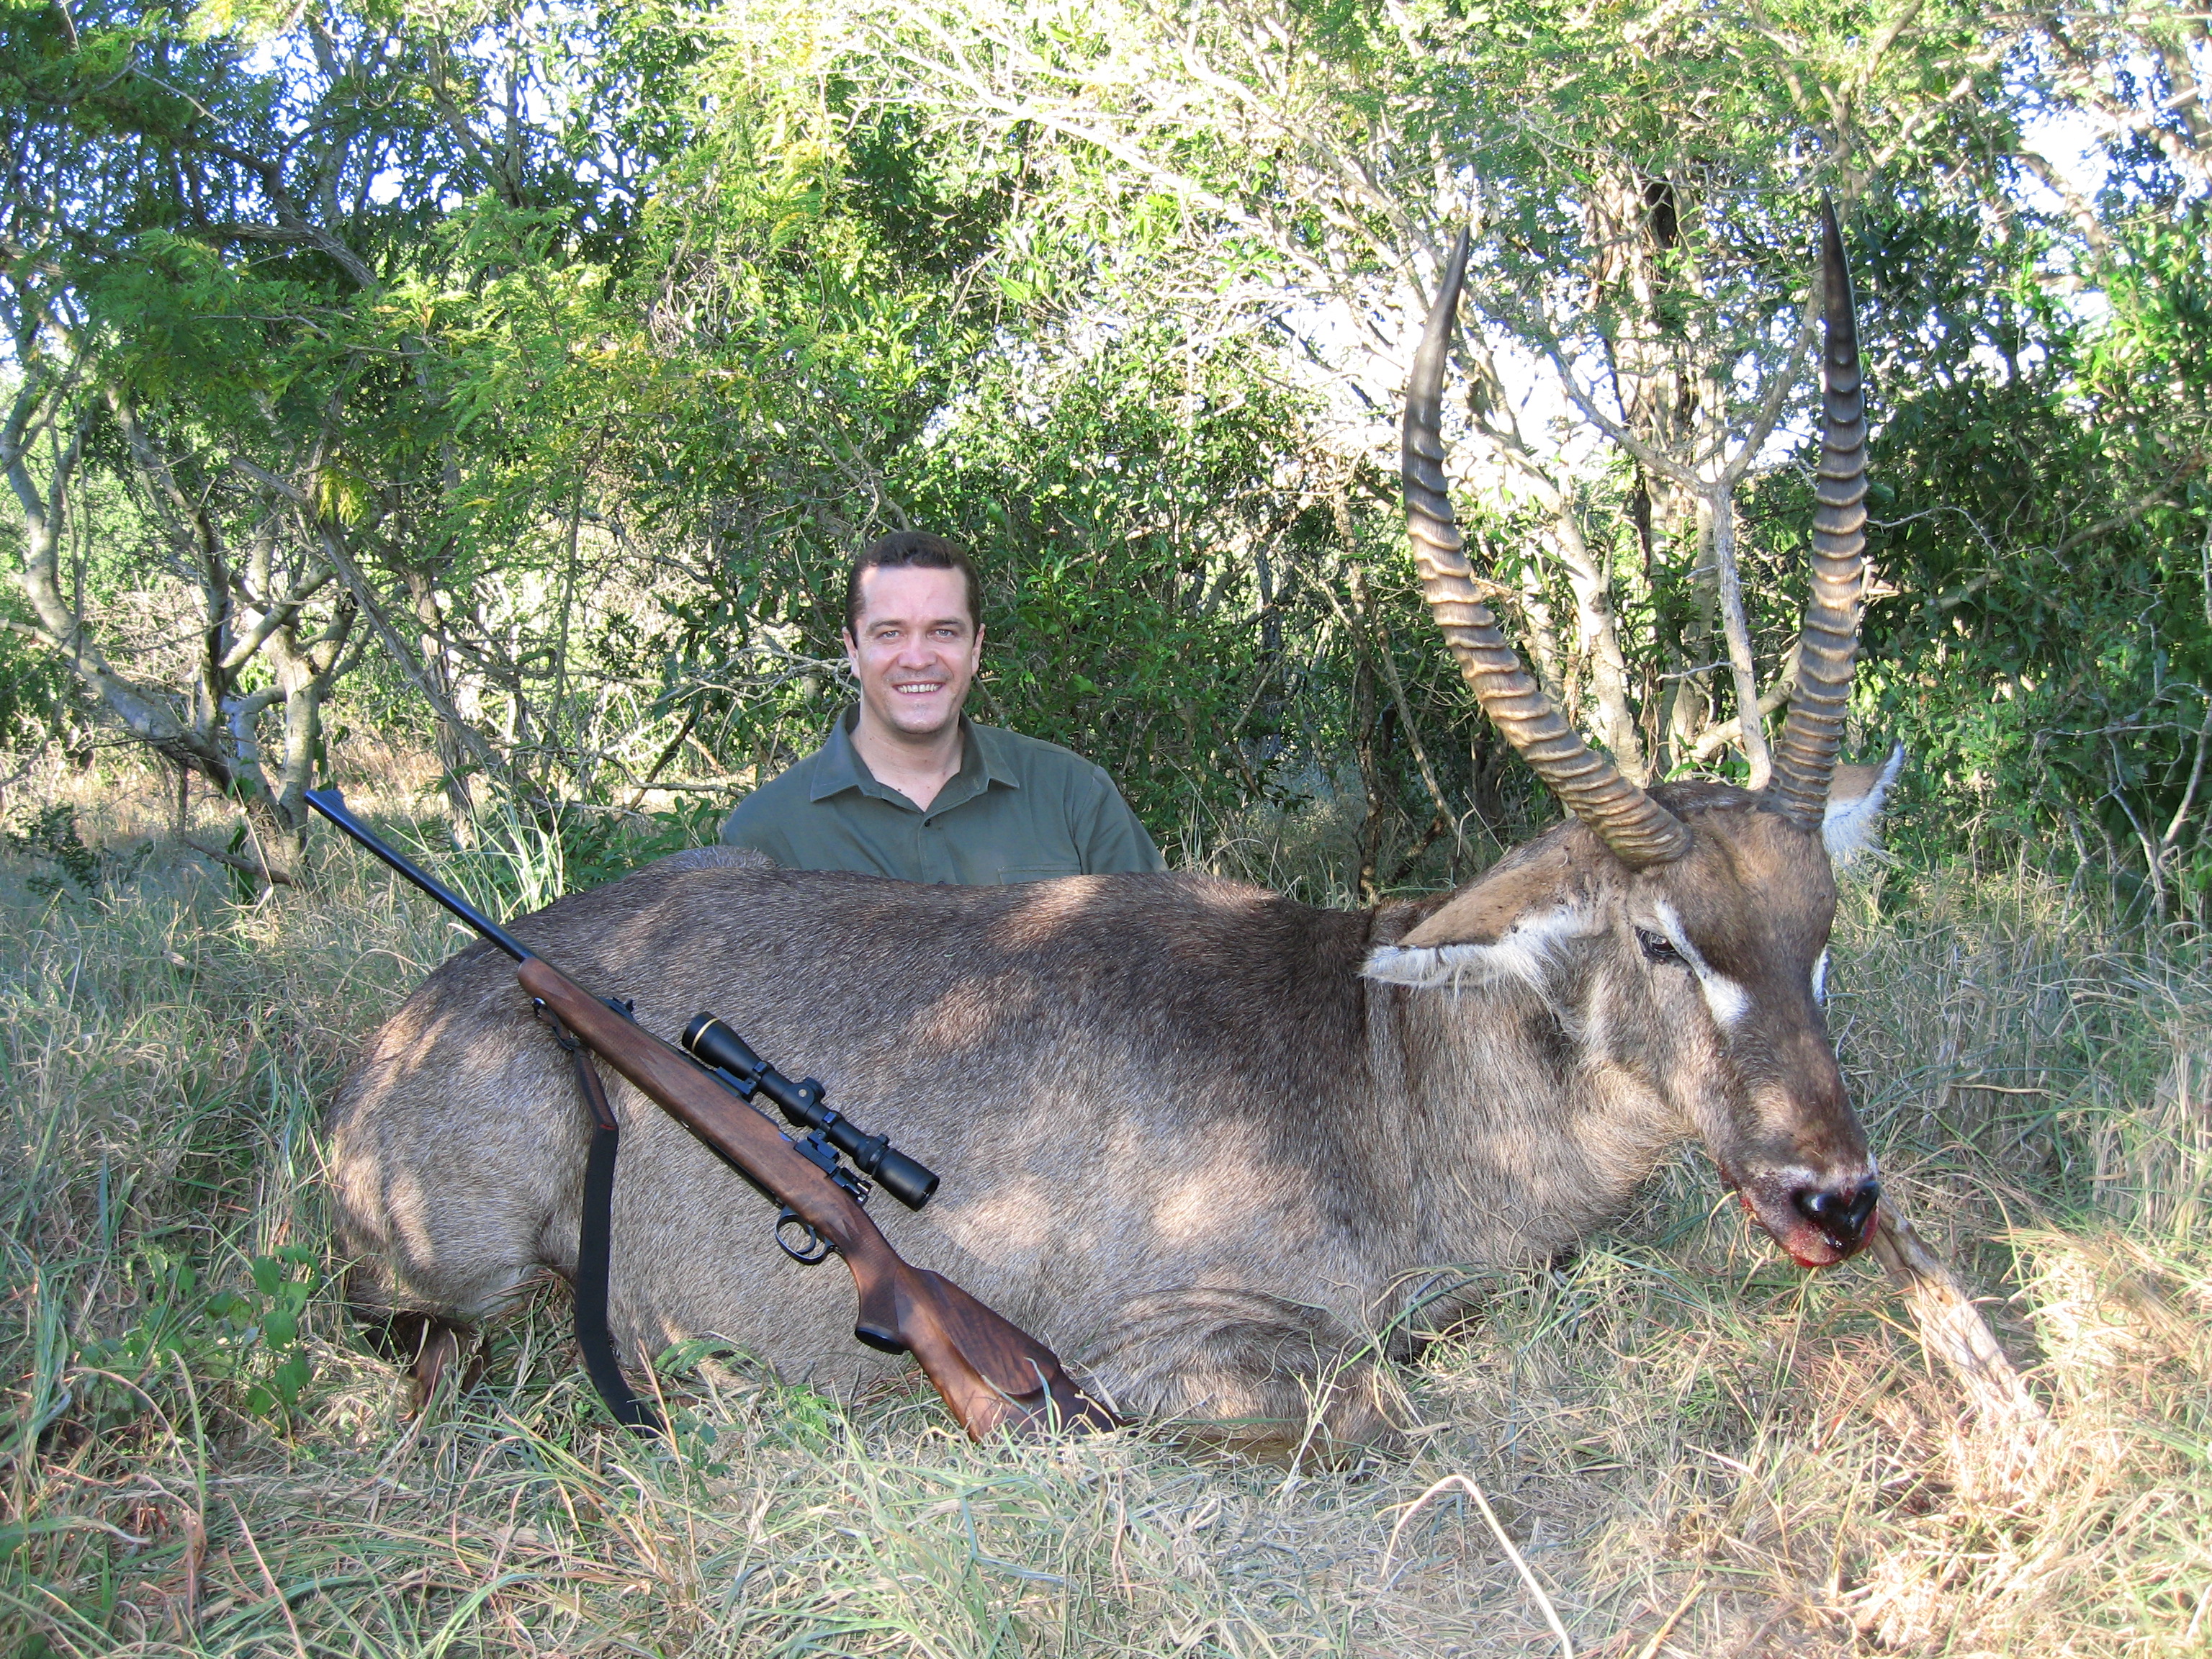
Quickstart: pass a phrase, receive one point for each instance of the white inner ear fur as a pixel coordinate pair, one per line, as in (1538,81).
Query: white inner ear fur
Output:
(1820,979)
(1729,1000)
(1847,827)
(1524,952)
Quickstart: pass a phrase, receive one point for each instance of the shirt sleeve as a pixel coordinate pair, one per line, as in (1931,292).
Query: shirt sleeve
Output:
(750,825)
(1111,839)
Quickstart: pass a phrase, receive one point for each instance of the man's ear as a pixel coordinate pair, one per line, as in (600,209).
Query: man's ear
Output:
(1854,809)
(1508,924)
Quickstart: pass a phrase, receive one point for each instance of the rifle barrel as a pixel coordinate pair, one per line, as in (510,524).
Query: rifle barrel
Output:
(331,805)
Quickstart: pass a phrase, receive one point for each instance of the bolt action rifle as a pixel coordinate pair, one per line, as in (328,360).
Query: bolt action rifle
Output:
(991,1374)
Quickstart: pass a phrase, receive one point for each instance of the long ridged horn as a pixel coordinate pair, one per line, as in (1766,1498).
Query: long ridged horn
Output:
(1639,831)
(1805,755)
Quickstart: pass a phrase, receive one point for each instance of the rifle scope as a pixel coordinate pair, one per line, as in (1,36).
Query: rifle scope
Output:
(714,1045)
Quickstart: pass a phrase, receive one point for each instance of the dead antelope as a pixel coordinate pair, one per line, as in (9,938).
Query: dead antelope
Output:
(1196,1138)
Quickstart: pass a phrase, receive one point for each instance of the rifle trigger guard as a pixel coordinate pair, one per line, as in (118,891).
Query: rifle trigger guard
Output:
(815,1248)
(545,1016)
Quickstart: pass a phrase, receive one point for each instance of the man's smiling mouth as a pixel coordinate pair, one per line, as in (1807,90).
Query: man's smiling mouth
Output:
(920,686)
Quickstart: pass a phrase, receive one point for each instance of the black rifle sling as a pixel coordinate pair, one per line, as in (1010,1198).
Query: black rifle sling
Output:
(593,1244)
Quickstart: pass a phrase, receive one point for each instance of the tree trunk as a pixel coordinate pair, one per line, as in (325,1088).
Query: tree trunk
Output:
(1636,234)
(1720,507)
(1599,636)
(438,673)
(1368,716)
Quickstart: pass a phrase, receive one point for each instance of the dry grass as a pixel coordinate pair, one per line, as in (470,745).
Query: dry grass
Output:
(1695,1449)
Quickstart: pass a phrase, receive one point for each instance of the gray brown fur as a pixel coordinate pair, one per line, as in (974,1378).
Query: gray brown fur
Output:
(1183,1140)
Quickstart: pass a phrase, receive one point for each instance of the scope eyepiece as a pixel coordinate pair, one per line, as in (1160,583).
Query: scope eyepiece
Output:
(713,1043)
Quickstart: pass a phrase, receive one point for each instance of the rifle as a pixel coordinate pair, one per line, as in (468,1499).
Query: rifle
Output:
(991,1374)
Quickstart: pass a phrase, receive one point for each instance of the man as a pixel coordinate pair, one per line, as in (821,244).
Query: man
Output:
(908,785)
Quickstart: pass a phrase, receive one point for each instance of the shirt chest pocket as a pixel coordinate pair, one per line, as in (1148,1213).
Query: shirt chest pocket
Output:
(1053,871)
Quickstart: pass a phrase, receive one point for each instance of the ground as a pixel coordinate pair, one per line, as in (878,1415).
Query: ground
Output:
(1693,1447)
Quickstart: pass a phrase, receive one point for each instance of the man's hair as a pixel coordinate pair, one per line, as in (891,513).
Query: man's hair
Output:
(913,549)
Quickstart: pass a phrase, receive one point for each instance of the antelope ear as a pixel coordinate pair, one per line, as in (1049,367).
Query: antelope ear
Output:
(1508,924)
(1855,801)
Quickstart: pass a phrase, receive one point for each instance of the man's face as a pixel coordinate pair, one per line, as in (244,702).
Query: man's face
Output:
(917,647)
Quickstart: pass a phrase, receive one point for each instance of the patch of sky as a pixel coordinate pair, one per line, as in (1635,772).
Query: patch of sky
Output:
(549,86)
(2076,147)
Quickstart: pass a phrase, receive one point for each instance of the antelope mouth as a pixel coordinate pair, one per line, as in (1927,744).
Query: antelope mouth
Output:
(1816,1224)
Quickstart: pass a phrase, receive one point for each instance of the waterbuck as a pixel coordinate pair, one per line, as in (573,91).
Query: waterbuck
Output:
(1198,1138)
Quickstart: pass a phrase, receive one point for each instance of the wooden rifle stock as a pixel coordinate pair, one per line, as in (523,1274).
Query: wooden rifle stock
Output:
(991,1374)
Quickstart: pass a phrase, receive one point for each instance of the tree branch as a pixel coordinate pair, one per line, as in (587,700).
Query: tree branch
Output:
(1714,739)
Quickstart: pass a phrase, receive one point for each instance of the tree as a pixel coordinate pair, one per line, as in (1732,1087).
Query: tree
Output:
(527,376)
(2043,639)
(1639,183)
(220,270)
(90,101)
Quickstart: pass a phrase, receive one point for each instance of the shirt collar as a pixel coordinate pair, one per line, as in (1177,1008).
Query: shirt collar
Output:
(839,767)
(984,762)
(989,743)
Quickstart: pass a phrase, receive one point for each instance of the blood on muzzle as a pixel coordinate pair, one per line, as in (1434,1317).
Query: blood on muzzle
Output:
(1845,1215)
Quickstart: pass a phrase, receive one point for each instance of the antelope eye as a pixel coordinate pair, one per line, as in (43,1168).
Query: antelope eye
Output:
(1657,946)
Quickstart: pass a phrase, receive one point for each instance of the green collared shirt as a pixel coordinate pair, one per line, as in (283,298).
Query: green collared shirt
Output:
(1018,810)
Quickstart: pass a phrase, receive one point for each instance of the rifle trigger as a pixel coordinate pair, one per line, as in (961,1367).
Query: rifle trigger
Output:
(561,1034)
(815,1248)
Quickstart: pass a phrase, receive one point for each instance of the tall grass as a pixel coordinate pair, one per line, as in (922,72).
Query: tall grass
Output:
(1695,1448)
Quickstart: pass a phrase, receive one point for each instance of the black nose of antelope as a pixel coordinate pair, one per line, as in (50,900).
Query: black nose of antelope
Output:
(1840,1213)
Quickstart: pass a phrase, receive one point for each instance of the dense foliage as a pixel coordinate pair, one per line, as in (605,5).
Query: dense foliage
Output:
(516,380)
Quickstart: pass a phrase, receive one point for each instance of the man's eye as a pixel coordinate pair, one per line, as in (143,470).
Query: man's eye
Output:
(1657,947)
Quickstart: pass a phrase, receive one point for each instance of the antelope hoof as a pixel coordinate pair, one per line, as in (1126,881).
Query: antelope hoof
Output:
(432,1350)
